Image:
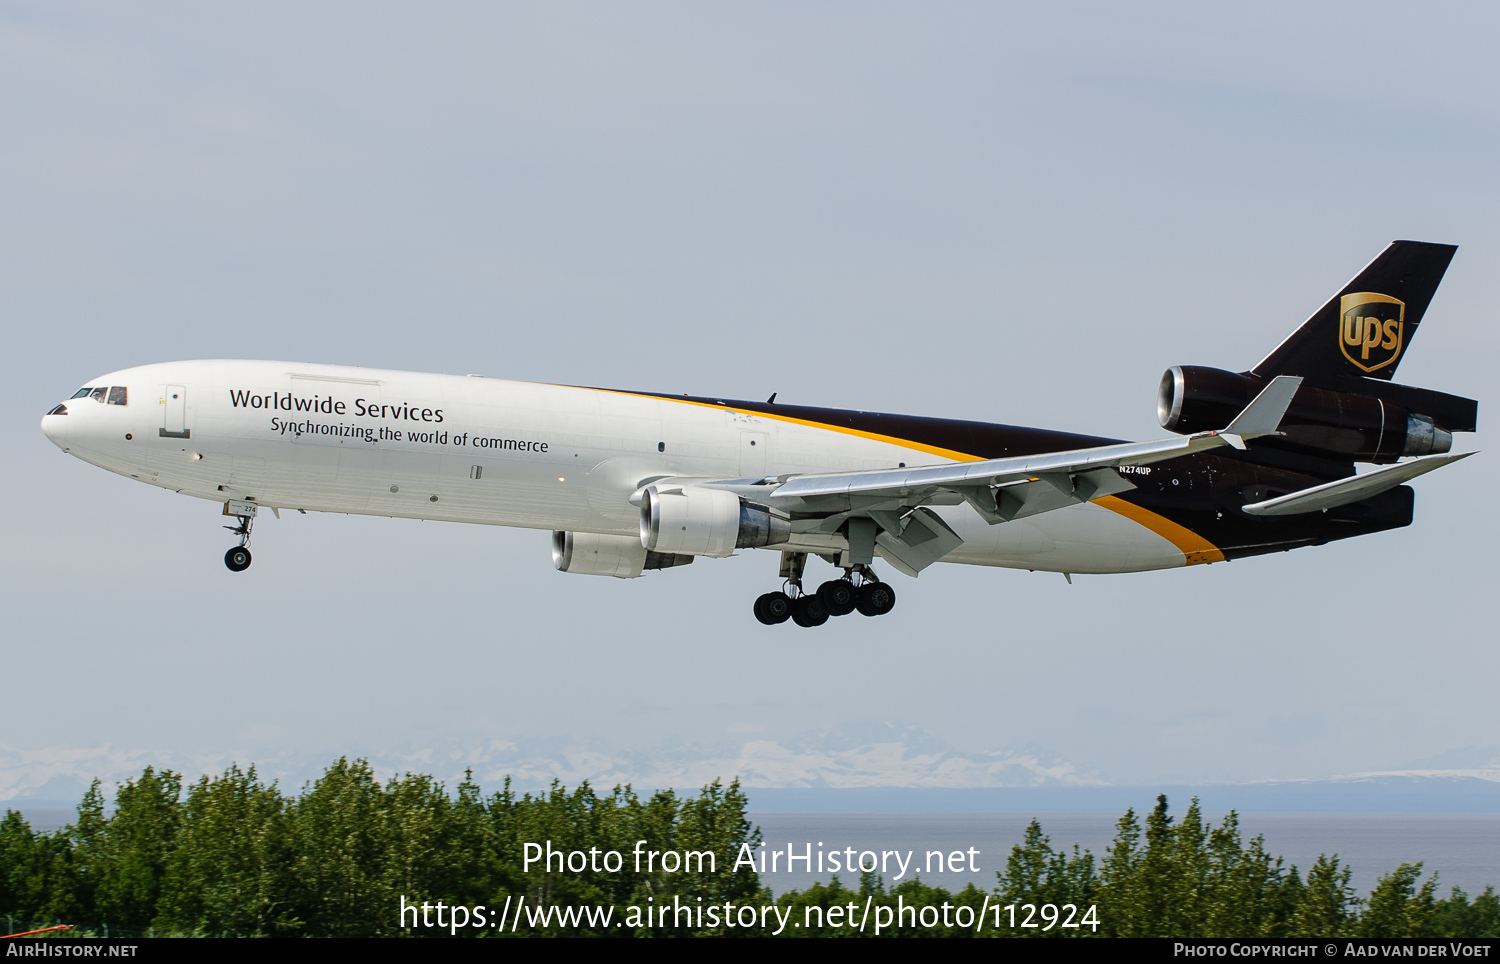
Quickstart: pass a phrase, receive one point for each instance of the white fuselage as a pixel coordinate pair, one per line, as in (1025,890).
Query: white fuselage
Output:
(468,449)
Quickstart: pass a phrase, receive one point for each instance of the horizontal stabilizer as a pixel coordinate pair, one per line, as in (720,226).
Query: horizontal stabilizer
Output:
(1453,412)
(1331,495)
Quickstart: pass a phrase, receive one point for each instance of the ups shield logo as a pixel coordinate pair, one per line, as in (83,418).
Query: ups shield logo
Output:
(1372,329)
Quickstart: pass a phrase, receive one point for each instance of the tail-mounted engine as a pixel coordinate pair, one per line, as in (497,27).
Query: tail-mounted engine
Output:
(703,521)
(1381,426)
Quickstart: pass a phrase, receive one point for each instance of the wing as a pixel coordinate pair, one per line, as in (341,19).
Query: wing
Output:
(887,507)
(1013,488)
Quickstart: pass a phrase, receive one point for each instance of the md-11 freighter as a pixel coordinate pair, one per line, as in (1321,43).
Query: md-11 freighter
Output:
(1262,460)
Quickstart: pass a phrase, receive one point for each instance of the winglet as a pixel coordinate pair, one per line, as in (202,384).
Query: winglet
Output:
(1263,415)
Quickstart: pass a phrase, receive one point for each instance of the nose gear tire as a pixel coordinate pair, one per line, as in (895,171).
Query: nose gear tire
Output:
(237,559)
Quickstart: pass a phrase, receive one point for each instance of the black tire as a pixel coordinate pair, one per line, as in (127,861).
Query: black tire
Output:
(773,608)
(809,612)
(876,599)
(838,596)
(237,559)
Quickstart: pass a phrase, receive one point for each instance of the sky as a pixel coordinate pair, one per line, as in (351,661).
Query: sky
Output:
(999,212)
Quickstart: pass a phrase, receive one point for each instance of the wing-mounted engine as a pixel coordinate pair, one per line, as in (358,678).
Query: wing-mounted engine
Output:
(702,520)
(1365,420)
(599,554)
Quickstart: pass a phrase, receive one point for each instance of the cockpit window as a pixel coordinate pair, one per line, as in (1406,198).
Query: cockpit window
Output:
(82,393)
(117,394)
(98,394)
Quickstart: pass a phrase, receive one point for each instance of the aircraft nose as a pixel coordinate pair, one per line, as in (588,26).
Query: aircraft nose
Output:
(55,425)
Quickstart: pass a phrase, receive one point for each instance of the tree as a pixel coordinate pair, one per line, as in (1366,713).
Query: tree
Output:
(1186,879)
(1327,906)
(1456,917)
(230,872)
(1149,890)
(1246,892)
(1036,874)
(336,833)
(1118,883)
(234,856)
(127,857)
(1398,907)
(22,871)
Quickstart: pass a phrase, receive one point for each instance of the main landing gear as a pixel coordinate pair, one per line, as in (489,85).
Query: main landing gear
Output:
(857,590)
(238,558)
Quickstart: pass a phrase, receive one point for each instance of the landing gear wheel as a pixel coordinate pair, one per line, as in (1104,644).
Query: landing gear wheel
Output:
(773,608)
(876,599)
(237,559)
(808,611)
(838,596)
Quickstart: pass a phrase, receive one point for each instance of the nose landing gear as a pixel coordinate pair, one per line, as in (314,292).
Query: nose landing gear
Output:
(859,589)
(238,558)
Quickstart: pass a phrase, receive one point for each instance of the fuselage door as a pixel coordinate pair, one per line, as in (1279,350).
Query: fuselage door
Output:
(174,413)
(753,454)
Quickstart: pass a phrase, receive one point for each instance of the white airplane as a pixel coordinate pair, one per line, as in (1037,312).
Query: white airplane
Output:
(632,481)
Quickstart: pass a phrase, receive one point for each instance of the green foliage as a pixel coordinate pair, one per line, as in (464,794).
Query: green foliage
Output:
(1398,907)
(230,872)
(1326,906)
(1187,879)
(126,856)
(235,856)
(1456,917)
(23,865)
(232,855)
(909,909)
(713,824)
(1036,874)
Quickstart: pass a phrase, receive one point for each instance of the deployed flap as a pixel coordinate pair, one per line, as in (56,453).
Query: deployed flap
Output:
(923,539)
(1048,491)
(1330,495)
(1099,483)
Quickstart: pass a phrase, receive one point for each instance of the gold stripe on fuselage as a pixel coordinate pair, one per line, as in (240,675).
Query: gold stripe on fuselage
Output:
(1197,549)
(1194,548)
(875,436)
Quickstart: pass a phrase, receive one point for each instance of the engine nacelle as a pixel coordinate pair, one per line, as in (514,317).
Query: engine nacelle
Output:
(1360,427)
(703,521)
(594,554)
